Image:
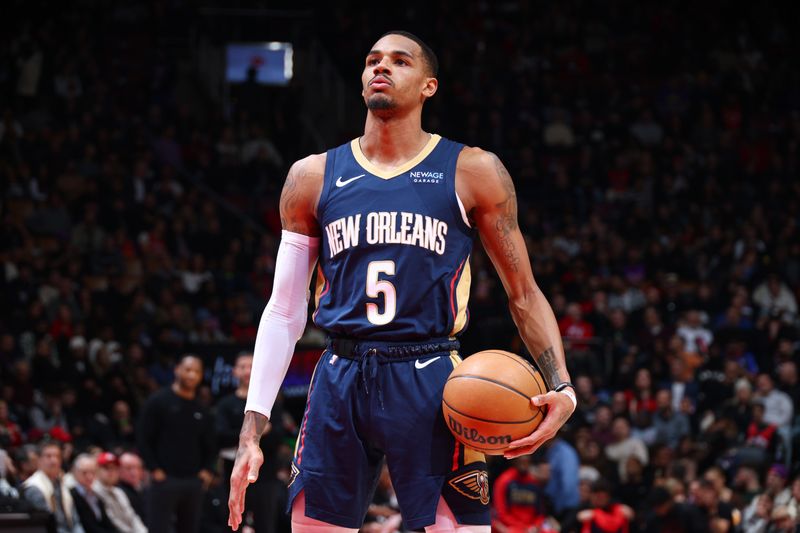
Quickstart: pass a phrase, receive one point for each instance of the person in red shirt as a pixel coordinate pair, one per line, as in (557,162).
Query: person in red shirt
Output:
(575,329)
(519,498)
(604,516)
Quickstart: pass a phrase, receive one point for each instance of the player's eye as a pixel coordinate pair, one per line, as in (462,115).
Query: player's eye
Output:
(372,61)
(400,62)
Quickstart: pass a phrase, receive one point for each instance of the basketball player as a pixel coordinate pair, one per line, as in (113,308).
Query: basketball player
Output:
(390,217)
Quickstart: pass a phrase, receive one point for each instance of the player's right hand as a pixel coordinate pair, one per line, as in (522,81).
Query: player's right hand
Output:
(245,471)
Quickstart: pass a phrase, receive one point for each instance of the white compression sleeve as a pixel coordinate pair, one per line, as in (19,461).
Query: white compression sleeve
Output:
(283,320)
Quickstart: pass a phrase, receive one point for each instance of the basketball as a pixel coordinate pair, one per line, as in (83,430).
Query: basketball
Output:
(487,400)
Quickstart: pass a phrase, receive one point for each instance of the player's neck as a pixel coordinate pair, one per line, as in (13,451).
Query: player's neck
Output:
(392,141)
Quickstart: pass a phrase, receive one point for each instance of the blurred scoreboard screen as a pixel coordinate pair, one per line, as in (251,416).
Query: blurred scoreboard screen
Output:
(270,62)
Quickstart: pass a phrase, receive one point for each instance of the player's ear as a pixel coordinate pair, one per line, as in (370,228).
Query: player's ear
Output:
(429,89)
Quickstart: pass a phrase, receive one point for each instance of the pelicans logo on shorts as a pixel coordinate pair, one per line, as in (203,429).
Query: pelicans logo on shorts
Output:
(473,484)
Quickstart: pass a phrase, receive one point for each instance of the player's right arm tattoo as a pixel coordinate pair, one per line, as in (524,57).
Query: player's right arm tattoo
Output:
(548,365)
(506,222)
(253,427)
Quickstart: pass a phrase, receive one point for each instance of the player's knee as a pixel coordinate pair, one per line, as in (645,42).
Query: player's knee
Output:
(303,524)
(446,522)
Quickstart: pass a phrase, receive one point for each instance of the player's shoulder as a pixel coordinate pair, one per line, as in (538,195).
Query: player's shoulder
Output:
(310,166)
(475,162)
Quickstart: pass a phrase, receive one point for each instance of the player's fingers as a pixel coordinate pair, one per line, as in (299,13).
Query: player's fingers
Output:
(543,399)
(516,452)
(253,466)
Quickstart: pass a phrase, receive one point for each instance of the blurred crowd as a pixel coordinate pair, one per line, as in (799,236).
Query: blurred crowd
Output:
(652,145)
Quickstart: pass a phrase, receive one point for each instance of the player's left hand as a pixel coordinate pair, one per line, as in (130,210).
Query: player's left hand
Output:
(559,409)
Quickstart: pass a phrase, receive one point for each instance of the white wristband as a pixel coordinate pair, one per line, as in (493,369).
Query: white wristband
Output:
(571,394)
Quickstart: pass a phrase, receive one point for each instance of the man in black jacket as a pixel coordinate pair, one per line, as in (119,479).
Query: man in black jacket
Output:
(91,510)
(177,443)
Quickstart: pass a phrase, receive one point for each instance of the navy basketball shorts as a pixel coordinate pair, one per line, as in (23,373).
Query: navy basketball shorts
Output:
(373,400)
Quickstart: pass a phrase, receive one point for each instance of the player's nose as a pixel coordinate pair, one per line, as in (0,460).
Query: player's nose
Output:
(382,67)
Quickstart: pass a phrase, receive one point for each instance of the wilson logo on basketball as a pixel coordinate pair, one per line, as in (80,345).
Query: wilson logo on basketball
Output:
(473,435)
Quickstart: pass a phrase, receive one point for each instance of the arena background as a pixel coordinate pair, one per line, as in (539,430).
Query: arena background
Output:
(654,147)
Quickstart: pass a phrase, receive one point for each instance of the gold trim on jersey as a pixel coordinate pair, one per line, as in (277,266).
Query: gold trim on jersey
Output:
(462,298)
(365,163)
(320,286)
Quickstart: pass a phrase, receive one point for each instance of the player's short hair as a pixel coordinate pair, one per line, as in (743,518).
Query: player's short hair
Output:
(427,52)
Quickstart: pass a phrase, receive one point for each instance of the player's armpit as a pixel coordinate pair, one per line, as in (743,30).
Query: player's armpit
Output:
(300,195)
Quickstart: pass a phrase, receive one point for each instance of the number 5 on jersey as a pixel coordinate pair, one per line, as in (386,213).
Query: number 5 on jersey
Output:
(376,287)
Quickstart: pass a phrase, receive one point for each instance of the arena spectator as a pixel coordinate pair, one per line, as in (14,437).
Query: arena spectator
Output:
(131,481)
(91,509)
(177,442)
(115,501)
(778,407)
(624,446)
(719,516)
(670,426)
(604,515)
(46,491)
(261,497)
(564,465)
(756,516)
(773,295)
(666,515)
(520,501)
(776,485)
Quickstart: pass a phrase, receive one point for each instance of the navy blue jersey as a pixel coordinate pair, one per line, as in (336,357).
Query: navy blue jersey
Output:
(394,262)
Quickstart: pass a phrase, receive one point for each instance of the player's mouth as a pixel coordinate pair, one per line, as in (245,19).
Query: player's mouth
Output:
(380,82)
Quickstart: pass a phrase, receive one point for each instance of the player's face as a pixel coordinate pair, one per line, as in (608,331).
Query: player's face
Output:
(396,75)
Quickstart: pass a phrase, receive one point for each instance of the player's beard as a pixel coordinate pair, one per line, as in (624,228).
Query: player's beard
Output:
(380,102)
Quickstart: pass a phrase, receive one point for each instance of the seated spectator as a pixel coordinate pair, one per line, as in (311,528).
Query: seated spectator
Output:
(773,295)
(696,337)
(761,437)
(756,516)
(666,515)
(783,520)
(746,485)
(775,485)
(46,490)
(634,487)
(90,507)
(671,426)
(778,407)
(519,499)
(116,503)
(738,408)
(27,461)
(604,516)
(720,516)
(624,446)
(716,476)
(131,481)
